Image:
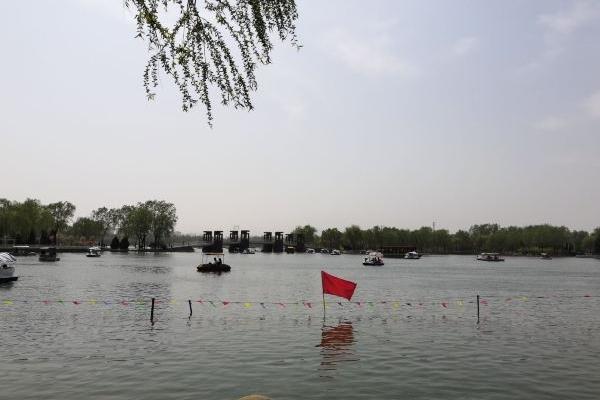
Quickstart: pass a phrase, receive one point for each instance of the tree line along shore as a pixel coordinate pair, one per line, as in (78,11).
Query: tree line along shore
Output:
(151,224)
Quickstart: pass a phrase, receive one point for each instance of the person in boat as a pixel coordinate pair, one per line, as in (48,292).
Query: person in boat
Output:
(220,261)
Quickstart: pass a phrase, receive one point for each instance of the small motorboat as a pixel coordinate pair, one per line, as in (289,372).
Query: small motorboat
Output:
(48,254)
(93,252)
(7,268)
(374,259)
(213,263)
(545,256)
(412,255)
(335,252)
(494,257)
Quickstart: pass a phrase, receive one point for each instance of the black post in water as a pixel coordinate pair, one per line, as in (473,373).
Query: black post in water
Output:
(190,303)
(477,308)
(152,311)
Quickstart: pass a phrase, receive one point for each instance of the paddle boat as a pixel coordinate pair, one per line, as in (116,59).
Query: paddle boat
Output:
(213,263)
(93,252)
(494,257)
(7,268)
(335,252)
(412,255)
(48,254)
(545,256)
(374,259)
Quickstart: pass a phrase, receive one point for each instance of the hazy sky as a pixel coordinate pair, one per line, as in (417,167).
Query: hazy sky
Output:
(393,113)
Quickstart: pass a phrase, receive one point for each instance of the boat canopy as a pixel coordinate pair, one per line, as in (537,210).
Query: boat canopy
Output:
(7,258)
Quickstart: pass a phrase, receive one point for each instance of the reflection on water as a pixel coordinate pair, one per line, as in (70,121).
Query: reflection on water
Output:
(337,345)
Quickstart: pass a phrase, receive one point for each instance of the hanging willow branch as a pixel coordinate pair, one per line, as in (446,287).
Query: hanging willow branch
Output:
(218,45)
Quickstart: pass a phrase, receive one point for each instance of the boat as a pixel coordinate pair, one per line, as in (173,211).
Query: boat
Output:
(494,257)
(249,251)
(7,268)
(93,252)
(335,252)
(23,250)
(374,259)
(48,254)
(412,255)
(324,251)
(290,249)
(310,251)
(213,263)
(545,256)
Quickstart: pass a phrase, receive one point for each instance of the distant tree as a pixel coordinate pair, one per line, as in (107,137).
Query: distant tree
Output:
(105,218)
(195,43)
(124,245)
(114,244)
(61,212)
(308,232)
(331,238)
(32,237)
(353,237)
(87,229)
(44,239)
(164,218)
(597,241)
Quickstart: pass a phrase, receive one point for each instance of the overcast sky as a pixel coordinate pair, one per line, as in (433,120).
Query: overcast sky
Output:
(394,113)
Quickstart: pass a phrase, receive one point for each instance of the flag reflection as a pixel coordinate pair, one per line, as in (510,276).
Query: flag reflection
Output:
(337,345)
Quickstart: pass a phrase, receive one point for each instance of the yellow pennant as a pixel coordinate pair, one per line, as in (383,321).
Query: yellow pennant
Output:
(395,304)
(247,305)
(460,303)
(8,302)
(173,301)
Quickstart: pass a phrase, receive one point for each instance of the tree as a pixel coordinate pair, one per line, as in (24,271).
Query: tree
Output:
(353,237)
(114,244)
(61,212)
(331,238)
(87,229)
(191,44)
(124,245)
(308,232)
(140,220)
(164,218)
(596,241)
(105,218)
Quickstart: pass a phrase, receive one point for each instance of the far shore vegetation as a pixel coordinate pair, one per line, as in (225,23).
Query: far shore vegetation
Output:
(152,224)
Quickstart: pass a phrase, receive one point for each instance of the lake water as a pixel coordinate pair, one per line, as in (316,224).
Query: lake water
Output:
(80,328)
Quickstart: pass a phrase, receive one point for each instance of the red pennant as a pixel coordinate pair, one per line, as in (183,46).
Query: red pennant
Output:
(445,305)
(281,305)
(225,303)
(337,286)
(76,302)
(309,305)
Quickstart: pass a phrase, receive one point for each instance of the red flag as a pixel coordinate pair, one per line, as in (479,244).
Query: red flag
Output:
(337,286)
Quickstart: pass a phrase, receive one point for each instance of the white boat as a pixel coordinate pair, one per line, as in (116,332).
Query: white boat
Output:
(7,268)
(310,251)
(493,257)
(335,252)
(412,255)
(93,252)
(248,251)
(374,258)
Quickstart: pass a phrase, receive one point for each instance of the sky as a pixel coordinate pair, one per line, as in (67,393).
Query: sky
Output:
(395,113)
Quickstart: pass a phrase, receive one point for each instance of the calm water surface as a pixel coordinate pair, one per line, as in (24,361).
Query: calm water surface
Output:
(538,337)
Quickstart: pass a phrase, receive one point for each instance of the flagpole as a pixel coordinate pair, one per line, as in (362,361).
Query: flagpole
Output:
(323,305)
